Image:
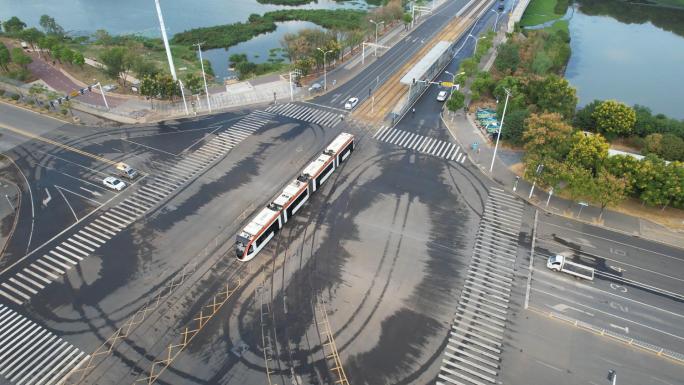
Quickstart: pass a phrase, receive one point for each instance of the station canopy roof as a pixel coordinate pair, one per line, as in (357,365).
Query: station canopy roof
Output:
(419,70)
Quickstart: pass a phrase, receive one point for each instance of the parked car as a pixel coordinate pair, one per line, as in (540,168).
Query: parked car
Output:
(351,103)
(442,96)
(126,171)
(109,87)
(315,87)
(114,183)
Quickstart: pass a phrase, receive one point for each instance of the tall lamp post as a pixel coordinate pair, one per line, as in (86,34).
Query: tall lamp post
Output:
(166,41)
(375,52)
(206,89)
(498,135)
(496,21)
(325,69)
(453,80)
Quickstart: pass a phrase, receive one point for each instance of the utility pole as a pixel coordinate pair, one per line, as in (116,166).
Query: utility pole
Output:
(325,69)
(498,135)
(206,89)
(166,42)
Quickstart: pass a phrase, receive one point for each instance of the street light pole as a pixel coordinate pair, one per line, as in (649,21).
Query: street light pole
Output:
(453,80)
(206,89)
(325,69)
(166,41)
(375,51)
(498,135)
(496,21)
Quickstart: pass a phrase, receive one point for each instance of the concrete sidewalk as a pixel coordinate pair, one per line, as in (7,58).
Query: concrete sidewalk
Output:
(462,127)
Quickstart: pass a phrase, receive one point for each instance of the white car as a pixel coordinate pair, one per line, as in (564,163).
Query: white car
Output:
(442,96)
(351,103)
(113,183)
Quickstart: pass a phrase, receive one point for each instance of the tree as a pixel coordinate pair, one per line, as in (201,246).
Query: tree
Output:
(407,19)
(588,151)
(103,37)
(673,147)
(78,59)
(607,190)
(508,58)
(166,87)
(13,25)
(142,67)
(51,27)
(31,36)
(48,43)
(5,57)
(614,118)
(547,136)
(469,66)
(118,62)
(483,83)
(542,63)
(456,101)
(149,88)
(583,117)
(514,126)
(19,57)
(193,82)
(578,182)
(553,94)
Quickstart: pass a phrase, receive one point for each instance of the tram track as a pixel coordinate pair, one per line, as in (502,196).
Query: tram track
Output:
(389,94)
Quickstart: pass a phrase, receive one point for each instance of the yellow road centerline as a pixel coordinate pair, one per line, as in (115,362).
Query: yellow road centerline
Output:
(55,143)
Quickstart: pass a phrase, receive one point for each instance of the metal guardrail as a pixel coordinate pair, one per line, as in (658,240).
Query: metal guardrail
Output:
(657,350)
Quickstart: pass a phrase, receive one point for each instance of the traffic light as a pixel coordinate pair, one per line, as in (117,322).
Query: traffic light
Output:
(82,91)
(66,98)
(90,88)
(59,101)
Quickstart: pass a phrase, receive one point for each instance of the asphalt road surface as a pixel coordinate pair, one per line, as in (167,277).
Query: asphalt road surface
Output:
(637,290)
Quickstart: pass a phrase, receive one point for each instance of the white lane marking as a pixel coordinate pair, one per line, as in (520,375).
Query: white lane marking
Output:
(611,314)
(90,191)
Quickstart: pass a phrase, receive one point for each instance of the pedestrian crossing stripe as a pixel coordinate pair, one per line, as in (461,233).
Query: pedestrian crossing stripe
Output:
(473,351)
(424,144)
(31,354)
(28,281)
(305,113)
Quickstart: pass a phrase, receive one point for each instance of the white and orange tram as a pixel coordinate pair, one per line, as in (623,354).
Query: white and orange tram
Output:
(263,227)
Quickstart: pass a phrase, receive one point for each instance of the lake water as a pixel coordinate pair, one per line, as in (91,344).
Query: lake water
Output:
(634,54)
(140,17)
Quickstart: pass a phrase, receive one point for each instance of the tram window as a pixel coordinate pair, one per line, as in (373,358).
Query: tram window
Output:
(293,207)
(321,178)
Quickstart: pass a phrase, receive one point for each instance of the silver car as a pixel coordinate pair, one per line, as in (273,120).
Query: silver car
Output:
(351,103)
(113,183)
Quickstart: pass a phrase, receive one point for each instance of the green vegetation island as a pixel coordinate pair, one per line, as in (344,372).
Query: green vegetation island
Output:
(565,148)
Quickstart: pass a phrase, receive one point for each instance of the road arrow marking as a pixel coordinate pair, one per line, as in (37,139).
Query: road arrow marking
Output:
(48,198)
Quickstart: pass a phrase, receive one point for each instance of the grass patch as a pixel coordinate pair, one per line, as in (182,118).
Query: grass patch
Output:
(538,12)
(228,35)
(563,25)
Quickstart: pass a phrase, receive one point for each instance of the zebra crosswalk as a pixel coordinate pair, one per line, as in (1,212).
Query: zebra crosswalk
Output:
(473,353)
(305,113)
(31,354)
(30,279)
(420,143)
